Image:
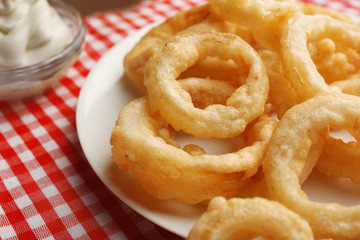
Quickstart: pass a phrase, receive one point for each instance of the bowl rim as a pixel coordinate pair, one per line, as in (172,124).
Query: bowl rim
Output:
(58,58)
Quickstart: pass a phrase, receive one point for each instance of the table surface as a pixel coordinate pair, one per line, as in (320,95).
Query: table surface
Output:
(48,189)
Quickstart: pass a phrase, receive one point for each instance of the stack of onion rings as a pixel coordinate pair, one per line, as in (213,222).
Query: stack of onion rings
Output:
(217,71)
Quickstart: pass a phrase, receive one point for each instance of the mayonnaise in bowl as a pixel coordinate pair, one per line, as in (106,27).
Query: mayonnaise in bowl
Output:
(30,31)
(39,41)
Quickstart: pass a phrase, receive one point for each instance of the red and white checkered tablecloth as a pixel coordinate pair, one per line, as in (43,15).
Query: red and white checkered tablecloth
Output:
(47,189)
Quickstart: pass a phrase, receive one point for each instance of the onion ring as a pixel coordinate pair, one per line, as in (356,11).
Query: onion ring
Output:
(198,18)
(174,104)
(288,151)
(269,35)
(187,178)
(248,218)
(299,67)
(266,18)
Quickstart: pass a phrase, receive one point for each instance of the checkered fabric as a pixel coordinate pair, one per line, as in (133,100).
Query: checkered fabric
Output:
(47,189)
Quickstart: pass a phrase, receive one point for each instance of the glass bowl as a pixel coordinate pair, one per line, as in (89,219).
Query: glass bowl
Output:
(35,79)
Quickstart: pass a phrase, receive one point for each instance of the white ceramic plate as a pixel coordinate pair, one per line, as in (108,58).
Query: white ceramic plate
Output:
(104,93)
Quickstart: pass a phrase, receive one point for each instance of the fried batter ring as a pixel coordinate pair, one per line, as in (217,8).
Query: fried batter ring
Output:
(198,18)
(174,103)
(288,150)
(299,67)
(166,171)
(248,218)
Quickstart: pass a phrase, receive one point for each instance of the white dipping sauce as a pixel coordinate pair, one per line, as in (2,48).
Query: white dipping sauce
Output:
(30,31)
